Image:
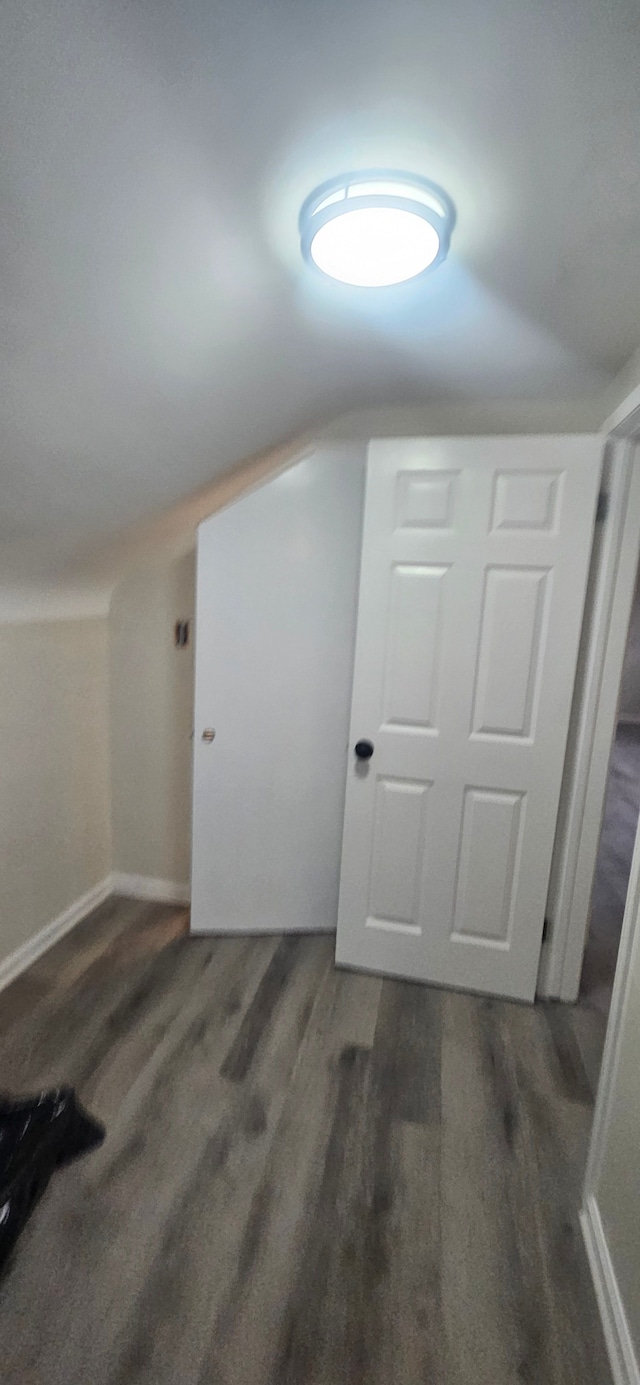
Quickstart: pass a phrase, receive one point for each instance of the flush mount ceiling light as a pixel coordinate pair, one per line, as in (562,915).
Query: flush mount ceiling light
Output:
(376,228)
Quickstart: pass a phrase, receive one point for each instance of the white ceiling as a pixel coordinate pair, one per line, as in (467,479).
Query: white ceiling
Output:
(158,323)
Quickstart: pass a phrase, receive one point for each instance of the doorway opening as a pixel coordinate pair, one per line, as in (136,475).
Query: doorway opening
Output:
(617,839)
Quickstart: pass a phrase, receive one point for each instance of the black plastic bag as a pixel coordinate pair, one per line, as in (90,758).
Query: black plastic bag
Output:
(37,1135)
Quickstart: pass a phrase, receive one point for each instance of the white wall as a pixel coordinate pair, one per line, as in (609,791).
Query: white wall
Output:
(151,696)
(55,833)
(149,683)
(622,397)
(468,418)
(276,616)
(150,756)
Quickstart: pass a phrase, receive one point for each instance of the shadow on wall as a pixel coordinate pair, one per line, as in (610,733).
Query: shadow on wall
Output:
(54,775)
(629,707)
(151,710)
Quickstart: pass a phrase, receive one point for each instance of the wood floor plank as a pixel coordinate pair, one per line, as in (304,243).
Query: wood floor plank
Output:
(214,1214)
(489,1279)
(328,1334)
(356,1217)
(407,1051)
(281,1230)
(71,1031)
(406,1138)
(77,949)
(413,1346)
(540,1352)
(88,1253)
(554,1139)
(311,1177)
(142,1053)
(569,1063)
(256,1021)
(589,1027)
(98,935)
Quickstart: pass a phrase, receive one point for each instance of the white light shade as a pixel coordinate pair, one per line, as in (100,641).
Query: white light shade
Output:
(375,246)
(376,228)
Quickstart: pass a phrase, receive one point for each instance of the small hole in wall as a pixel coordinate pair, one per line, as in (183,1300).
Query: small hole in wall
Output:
(181,634)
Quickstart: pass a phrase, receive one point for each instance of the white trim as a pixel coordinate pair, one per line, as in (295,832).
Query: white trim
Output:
(624,1364)
(150,887)
(29,952)
(135,886)
(625,420)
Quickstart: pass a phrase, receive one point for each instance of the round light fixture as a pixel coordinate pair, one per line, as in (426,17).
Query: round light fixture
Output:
(376,228)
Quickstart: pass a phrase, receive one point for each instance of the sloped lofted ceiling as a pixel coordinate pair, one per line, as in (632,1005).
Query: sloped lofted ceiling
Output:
(158,323)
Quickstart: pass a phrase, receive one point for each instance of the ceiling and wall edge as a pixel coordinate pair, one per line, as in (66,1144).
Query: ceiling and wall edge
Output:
(623,397)
(83,590)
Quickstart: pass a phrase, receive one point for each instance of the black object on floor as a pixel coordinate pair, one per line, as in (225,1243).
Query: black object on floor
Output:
(37,1135)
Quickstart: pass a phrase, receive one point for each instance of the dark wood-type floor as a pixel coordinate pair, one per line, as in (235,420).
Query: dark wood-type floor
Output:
(311,1177)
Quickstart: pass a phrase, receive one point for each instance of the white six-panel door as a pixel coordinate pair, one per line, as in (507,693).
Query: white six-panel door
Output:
(474,568)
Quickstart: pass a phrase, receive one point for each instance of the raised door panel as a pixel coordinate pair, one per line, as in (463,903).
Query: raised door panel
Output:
(399,836)
(510,650)
(413,646)
(425,500)
(489,851)
(527,500)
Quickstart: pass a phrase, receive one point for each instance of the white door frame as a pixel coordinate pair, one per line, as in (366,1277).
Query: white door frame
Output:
(607,614)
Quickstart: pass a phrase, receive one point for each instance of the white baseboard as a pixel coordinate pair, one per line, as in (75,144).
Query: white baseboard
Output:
(624,1364)
(30,951)
(136,886)
(149,887)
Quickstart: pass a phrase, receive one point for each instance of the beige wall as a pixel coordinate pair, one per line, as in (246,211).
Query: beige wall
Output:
(151,682)
(54,777)
(151,707)
(95,725)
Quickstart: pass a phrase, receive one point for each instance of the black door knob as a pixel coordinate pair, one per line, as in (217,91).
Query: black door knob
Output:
(364,749)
